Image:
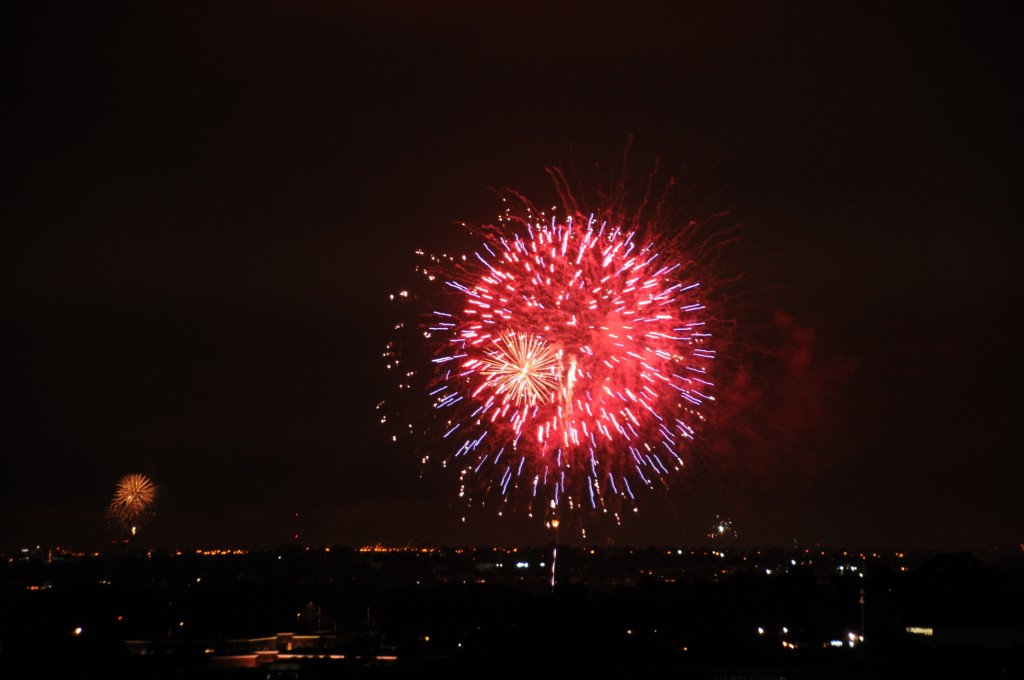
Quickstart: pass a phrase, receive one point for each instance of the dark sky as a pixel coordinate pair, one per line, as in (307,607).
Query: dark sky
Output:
(208,204)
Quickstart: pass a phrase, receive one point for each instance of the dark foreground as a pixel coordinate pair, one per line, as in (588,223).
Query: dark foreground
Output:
(709,613)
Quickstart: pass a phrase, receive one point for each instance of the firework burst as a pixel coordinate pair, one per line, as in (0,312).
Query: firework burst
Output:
(570,357)
(132,502)
(520,367)
(722,529)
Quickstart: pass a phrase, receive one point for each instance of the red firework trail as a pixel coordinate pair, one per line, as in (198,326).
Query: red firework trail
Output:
(571,359)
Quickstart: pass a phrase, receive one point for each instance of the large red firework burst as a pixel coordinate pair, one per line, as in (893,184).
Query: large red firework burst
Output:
(570,356)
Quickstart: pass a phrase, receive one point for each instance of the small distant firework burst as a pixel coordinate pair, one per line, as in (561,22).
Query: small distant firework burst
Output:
(722,529)
(132,503)
(570,357)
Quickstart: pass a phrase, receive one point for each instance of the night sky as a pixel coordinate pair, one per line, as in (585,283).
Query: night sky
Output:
(207,205)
